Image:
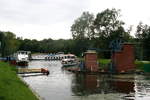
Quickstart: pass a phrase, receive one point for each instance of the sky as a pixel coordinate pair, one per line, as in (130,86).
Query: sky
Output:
(40,19)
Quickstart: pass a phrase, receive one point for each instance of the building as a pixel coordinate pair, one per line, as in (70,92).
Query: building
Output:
(123,60)
(91,63)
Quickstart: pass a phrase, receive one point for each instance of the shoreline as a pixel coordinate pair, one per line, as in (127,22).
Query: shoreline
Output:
(12,86)
(32,90)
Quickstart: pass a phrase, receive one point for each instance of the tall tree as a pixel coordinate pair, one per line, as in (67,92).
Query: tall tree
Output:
(9,43)
(82,32)
(1,43)
(82,26)
(107,21)
(143,36)
(108,26)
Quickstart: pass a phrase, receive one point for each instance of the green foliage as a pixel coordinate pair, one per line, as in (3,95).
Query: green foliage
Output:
(9,43)
(48,45)
(107,22)
(143,38)
(82,26)
(142,65)
(82,32)
(11,87)
(108,27)
(139,65)
(99,32)
(104,63)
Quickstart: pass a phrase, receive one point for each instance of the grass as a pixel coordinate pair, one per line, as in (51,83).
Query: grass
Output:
(140,64)
(11,87)
(103,63)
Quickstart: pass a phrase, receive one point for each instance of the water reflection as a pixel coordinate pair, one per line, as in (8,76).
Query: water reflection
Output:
(123,87)
(64,85)
(85,84)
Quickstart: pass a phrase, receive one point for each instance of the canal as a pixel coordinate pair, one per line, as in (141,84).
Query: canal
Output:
(64,85)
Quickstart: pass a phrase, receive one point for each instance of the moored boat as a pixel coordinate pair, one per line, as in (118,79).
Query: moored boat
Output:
(69,60)
(22,58)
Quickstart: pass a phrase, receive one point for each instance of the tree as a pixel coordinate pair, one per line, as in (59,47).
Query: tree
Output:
(107,21)
(143,36)
(82,26)
(9,43)
(1,43)
(107,26)
(82,32)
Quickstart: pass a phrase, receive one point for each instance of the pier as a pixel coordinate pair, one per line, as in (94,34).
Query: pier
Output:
(33,70)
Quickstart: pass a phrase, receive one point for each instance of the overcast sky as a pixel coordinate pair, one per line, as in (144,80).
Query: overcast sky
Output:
(39,19)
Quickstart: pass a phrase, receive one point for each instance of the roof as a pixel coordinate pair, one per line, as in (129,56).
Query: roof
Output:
(90,51)
(69,55)
(24,51)
(127,43)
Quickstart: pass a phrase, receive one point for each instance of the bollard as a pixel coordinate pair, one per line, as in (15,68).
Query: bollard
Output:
(44,71)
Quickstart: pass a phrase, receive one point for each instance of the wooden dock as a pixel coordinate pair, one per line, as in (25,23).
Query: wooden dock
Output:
(31,70)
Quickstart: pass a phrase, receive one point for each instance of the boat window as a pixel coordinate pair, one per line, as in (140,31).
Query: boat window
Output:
(72,56)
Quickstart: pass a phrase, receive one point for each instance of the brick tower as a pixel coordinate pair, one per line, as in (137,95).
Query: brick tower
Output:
(123,60)
(91,61)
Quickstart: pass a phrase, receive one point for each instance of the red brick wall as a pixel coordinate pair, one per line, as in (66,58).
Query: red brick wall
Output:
(124,60)
(91,82)
(91,62)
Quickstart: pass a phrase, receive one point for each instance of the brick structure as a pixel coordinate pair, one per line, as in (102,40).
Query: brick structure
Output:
(124,60)
(91,61)
(91,82)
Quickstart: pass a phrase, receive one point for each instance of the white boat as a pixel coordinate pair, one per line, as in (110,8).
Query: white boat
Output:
(22,57)
(69,60)
(57,56)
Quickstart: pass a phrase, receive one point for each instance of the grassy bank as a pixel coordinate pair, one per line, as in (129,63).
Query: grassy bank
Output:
(142,65)
(11,87)
(104,63)
(139,64)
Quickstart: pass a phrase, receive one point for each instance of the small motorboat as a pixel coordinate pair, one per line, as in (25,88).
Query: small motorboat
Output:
(69,60)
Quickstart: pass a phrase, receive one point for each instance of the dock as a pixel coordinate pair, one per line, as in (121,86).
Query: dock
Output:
(31,70)
(38,57)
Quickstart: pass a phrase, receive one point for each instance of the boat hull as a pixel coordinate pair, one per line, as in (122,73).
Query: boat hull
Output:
(69,64)
(22,63)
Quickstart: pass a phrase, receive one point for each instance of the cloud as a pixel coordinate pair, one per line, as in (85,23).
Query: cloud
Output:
(132,11)
(40,11)
(48,17)
(52,18)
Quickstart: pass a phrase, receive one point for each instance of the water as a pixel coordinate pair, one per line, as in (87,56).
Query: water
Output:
(64,85)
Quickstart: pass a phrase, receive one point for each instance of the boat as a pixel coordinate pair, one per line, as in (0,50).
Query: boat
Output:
(57,56)
(69,60)
(22,58)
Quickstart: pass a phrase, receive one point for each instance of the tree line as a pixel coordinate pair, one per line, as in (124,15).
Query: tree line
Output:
(88,31)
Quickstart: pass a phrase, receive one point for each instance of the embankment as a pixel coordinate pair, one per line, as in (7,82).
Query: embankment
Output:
(11,87)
